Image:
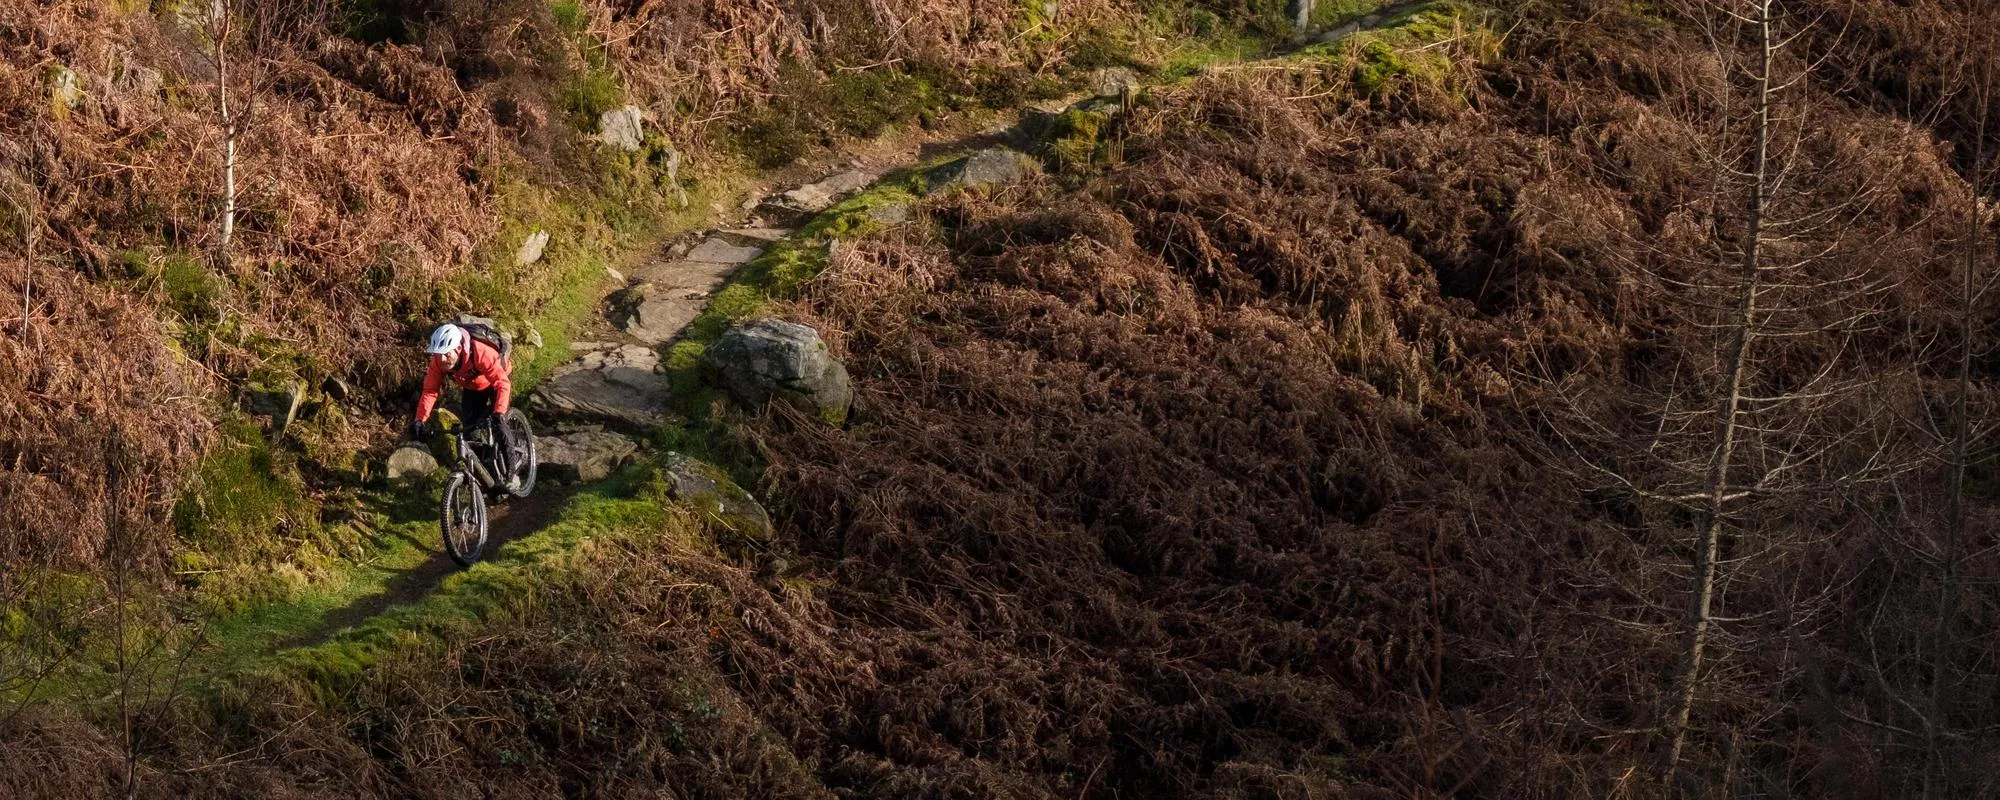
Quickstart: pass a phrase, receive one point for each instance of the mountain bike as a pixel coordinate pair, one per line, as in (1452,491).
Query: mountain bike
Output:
(475,475)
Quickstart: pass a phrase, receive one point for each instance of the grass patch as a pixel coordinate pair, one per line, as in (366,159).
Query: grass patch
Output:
(1403,50)
(631,504)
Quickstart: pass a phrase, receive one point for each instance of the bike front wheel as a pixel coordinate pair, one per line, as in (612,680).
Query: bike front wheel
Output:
(463,519)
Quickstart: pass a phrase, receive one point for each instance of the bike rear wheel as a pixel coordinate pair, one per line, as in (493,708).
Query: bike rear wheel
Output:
(463,519)
(522,482)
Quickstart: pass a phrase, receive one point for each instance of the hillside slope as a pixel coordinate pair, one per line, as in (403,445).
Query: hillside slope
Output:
(1316,427)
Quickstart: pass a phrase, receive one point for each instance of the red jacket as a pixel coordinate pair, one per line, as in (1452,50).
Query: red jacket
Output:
(480,368)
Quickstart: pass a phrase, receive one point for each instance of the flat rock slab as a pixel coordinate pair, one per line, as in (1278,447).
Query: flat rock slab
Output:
(719,250)
(582,456)
(620,386)
(755,237)
(813,198)
(700,276)
(663,315)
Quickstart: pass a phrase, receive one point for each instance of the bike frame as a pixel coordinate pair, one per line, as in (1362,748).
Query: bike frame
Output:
(469,461)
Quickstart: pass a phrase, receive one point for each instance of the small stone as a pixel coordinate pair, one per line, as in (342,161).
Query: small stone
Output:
(1113,81)
(531,248)
(892,214)
(674,178)
(65,87)
(615,275)
(533,338)
(587,347)
(411,461)
(623,128)
(582,456)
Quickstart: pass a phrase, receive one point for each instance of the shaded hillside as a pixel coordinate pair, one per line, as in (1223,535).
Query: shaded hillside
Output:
(1298,435)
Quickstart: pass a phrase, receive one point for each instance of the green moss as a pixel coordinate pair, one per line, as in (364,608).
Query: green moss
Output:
(190,289)
(1076,139)
(245,499)
(624,507)
(1377,65)
(810,109)
(591,93)
(570,16)
(1403,49)
(1334,13)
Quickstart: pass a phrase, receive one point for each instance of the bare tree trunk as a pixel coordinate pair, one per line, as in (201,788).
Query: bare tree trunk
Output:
(222,22)
(114,488)
(1942,633)
(1700,617)
(29,229)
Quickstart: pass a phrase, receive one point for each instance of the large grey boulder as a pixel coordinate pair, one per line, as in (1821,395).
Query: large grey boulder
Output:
(582,456)
(772,358)
(623,128)
(710,491)
(621,386)
(411,460)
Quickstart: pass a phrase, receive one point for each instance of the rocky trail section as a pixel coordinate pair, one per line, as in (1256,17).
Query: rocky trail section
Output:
(617,378)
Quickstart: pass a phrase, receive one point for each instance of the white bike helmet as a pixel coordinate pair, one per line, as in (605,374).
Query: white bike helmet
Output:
(446,339)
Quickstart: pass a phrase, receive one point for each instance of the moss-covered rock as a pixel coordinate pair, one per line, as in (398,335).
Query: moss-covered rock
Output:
(709,490)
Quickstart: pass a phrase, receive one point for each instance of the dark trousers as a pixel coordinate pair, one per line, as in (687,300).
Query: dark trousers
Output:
(475,407)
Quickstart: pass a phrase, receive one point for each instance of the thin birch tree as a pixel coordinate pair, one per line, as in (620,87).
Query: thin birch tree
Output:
(1733,442)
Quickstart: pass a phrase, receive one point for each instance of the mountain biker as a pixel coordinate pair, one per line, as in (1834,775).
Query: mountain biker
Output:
(484,376)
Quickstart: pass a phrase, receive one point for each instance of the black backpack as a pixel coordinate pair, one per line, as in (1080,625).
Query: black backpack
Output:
(486,330)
